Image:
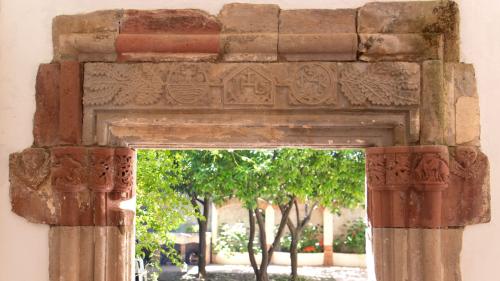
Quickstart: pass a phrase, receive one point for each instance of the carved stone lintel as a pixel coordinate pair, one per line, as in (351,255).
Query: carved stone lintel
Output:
(423,186)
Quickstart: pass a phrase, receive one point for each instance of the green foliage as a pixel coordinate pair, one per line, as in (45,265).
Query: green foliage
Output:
(160,208)
(232,238)
(310,241)
(354,240)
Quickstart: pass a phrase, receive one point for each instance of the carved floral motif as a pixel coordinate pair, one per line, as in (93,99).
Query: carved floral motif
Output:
(32,166)
(381,83)
(313,84)
(144,84)
(249,85)
(124,170)
(101,169)
(375,169)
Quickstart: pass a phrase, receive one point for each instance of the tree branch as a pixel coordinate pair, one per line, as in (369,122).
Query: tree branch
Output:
(281,228)
(251,253)
(262,237)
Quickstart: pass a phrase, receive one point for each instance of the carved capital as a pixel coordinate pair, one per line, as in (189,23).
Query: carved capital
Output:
(427,186)
(85,188)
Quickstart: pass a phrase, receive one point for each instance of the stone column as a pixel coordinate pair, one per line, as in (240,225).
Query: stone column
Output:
(327,237)
(214,225)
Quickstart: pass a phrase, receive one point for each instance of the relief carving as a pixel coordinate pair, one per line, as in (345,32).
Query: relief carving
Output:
(144,84)
(375,170)
(249,86)
(101,169)
(381,83)
(398,169)
(314,84)
(31,167)
(188,84)
(69,169)
(124,171)
(431,168)
(469,164)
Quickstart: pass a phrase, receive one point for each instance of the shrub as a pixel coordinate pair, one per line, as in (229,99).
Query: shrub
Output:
(233,238)
(310,242)
(354,240)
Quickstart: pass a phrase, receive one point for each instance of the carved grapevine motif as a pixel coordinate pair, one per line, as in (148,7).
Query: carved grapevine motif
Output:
(248,85)
(313,84)
(398,168)
(380,83)
(375,168)
(144,84)
(32,167)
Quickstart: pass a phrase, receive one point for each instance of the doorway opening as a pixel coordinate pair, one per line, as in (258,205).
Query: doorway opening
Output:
(303,211)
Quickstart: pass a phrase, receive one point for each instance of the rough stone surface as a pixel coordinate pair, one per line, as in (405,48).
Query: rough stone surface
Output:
(306,35)
(249,32)
(85,37)
(422,17)
(467,120)
(46,120)
(401,47)
(417,254)
(70,103)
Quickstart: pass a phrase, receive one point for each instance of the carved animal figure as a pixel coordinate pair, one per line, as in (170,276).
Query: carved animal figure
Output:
(431,168)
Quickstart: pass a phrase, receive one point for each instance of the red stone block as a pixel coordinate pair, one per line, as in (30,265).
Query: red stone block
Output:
(46,120)
(167,43)
(169,21)
(70,103)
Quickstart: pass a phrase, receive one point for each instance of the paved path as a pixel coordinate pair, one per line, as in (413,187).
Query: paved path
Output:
(277,273)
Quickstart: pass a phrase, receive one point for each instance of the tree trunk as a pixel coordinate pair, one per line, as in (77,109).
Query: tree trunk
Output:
(294,255)
(202,245)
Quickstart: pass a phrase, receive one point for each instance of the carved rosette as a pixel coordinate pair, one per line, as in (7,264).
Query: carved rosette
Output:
(101,169)
(314,84)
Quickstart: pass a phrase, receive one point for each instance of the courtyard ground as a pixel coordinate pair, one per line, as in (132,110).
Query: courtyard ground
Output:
(277,273)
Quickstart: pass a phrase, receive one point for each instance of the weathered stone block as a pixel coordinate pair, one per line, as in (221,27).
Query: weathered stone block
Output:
(168,35)
(435,105)
(30,192)
(400,47)
(467,201)
(249,32)
(423,17)
(86,36)
(46,120)
(317,35)
(70,103)
(462,92)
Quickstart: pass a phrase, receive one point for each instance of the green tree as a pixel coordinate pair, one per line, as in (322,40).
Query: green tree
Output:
(206,179)
(254,182)
(333,179)
(160,207)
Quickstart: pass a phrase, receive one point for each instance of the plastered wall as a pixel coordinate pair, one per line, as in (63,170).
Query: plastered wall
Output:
(25,41)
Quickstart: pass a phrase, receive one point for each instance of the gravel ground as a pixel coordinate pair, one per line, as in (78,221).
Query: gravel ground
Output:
(245,273)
